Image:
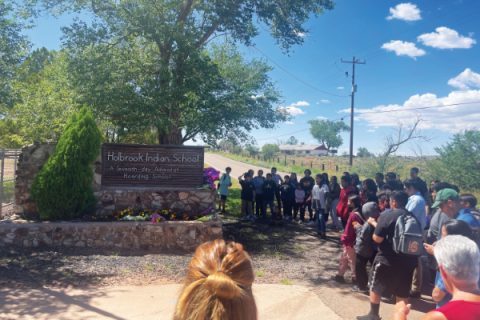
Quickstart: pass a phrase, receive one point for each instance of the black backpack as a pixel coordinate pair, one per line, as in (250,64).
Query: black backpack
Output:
(408,236)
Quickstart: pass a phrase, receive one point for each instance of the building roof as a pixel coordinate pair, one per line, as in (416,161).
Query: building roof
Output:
(301,147)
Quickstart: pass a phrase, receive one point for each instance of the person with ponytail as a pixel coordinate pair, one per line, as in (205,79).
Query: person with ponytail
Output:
(218,285)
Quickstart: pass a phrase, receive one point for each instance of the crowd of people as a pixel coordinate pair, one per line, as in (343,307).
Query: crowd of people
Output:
(394,226)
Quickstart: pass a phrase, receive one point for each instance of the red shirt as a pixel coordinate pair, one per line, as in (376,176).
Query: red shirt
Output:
(461,310)
(349,234)
(342,206)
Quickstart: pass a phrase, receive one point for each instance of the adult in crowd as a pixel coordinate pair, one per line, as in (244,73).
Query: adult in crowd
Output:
(438,217)
(458,259)
(346,191)
(278,181)
(258,182)
(416,205)
(379,180)
(224,184)
(333,197)
(218,284)
(391,272)
(307,183)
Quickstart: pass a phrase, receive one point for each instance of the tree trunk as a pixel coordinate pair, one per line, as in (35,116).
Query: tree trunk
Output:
(174,136)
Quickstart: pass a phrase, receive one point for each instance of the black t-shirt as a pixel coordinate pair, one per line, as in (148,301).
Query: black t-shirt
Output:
(386,229)
(307,184)
(287,192)
(248,188)
(269,188)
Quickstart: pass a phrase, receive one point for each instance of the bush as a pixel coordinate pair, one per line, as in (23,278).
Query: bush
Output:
(63,187)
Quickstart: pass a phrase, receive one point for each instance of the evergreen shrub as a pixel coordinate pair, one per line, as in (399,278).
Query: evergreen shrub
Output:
(62,189)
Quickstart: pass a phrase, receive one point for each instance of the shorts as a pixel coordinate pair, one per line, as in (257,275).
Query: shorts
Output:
(223,197)
(395,279)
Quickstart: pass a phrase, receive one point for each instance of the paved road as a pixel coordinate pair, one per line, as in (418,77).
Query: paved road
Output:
(238,168)
(150,302)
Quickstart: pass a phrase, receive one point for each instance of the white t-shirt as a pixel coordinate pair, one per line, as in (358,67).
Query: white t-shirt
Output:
(319,193)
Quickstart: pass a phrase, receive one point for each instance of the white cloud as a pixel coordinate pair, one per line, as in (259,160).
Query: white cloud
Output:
(290,123)
(446,38)
(322,118)
(403,48)
(325,101)
(371,130)
(300,104)
(467,79)
(293,111)
(340,88)
(405,11)
(458,111)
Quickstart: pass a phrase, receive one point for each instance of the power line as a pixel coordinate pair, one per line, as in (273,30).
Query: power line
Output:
(298,78)
(422,108)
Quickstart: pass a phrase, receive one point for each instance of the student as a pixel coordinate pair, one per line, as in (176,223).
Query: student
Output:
(293,179)
(365,249)
(307,184)
(258,182)
(422,185)
(346,191)
(223,185)
(333,197)
(355,221)
(218,284)
(368,193)
(287,194)
(269,190)
(299,201)
(391,272)
(278,181)
(247,195)
(379,180)
(319,194)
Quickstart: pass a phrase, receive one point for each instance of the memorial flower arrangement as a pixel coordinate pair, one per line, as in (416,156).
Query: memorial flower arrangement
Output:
(157,216)
(210,175)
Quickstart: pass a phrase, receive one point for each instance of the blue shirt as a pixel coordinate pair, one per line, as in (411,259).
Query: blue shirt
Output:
(258,183)
(467,216)
(416,205)
(224,184)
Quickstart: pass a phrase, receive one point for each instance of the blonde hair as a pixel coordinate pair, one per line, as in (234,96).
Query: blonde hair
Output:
(218,285)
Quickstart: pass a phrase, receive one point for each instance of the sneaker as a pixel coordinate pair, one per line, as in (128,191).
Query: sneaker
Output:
(356,288)
(339,279)
(369,317)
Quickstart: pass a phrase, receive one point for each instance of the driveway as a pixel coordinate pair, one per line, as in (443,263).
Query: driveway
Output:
(238,168)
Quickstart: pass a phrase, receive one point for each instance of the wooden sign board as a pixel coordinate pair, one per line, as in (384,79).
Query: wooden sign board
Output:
(152,165)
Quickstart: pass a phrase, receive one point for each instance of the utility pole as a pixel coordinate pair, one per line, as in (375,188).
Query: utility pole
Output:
(354,89)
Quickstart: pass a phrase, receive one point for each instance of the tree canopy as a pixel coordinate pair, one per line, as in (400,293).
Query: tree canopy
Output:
(459,160)
(159,65)
(270,150)
(327,132)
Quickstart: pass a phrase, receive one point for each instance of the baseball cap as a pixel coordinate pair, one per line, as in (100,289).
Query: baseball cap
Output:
(370,209)
(445,195)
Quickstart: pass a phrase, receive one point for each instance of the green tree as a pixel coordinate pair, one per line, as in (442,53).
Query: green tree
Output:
(270,150)
(292,140)
(363,152)
(13,48)
(63,187)
(459,161)
(45,96)
(151,63)
(328,132)
(251,150)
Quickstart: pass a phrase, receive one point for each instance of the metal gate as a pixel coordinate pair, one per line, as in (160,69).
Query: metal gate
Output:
(8,169)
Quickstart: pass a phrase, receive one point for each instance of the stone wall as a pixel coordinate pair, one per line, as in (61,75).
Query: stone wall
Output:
(109,199)
(160,237)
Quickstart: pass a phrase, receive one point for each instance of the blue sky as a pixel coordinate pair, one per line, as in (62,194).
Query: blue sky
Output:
(419,54)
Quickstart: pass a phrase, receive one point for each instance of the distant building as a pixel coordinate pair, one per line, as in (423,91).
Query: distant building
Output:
(304,150)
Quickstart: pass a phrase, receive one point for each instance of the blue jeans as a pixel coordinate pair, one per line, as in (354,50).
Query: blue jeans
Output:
(321,221)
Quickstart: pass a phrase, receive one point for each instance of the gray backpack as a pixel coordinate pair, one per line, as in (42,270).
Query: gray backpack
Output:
(363,243)
(408,236)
